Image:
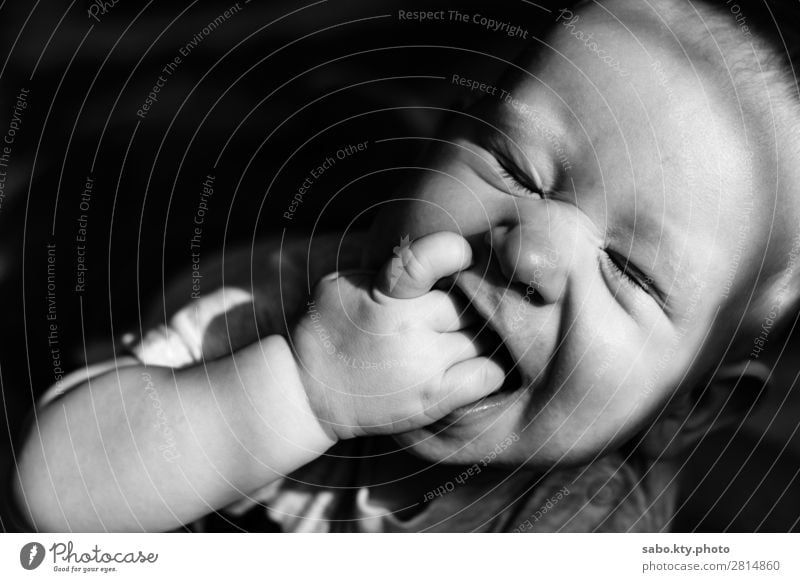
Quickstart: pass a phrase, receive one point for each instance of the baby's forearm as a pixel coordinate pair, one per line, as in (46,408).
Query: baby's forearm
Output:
(151,448)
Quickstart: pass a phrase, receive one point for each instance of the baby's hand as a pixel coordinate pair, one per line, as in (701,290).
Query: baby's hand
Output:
(374,364)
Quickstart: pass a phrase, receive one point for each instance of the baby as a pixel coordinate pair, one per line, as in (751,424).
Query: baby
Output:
(575,290)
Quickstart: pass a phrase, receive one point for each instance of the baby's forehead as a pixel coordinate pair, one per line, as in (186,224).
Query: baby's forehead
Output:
(623,72)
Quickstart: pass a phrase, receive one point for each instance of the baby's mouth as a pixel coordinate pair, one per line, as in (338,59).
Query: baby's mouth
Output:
(502,356)
(499,353)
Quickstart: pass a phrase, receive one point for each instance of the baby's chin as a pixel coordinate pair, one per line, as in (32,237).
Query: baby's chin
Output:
(459,440)
(439,448)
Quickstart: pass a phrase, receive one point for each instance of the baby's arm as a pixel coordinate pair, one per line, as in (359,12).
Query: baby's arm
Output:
(146,448)
(90,488)
(152,448)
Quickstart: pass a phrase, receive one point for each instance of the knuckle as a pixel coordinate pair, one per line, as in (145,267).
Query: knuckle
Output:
(429,395)
(416,269)
(325,287)
(368,318)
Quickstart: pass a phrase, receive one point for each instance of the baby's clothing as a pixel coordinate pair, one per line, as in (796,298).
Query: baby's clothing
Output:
(353,490)
(364,485)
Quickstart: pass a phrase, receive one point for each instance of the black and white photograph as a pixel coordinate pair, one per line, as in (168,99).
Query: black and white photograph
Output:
(394,266)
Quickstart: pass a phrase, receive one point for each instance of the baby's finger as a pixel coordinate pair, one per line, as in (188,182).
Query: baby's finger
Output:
(446,312)
(466,344)
(468,381)
(415,267)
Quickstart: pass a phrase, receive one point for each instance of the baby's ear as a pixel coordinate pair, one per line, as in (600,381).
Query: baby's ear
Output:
(723,400)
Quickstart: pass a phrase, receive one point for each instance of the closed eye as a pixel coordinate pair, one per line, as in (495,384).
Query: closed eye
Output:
(629,273)
(515,183)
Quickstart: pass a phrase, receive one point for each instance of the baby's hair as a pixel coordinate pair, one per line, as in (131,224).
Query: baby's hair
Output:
(761,48)
(760,45)
(757,40)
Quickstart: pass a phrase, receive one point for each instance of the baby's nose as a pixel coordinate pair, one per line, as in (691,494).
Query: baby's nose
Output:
(527,253)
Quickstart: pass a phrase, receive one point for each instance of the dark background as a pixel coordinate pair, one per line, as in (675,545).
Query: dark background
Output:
(269,99)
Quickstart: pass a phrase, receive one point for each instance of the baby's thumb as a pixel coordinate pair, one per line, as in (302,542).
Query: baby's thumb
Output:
(415,267)
(468,381)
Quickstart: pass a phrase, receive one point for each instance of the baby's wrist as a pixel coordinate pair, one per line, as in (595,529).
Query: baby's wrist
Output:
(317,403)
(283,402)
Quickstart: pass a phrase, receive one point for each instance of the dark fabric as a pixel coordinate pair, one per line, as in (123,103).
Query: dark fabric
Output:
(365,486)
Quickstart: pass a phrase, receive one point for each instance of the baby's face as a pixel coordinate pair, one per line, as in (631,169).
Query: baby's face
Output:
(611,215)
